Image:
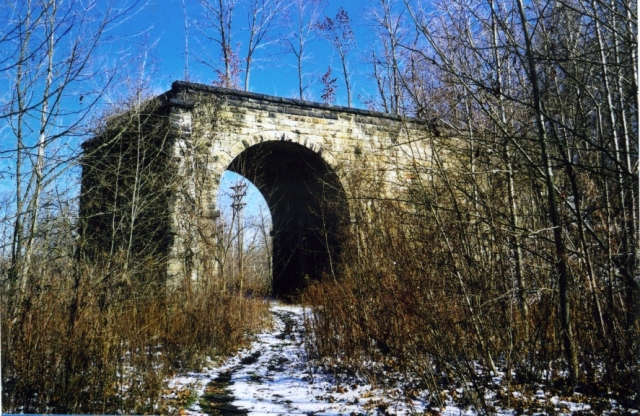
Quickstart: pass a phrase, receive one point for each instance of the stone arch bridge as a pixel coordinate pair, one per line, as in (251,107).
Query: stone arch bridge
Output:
(150,176)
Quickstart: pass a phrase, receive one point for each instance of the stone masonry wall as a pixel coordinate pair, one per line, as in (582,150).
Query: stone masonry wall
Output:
(216,125)
(231,121)
(197,132)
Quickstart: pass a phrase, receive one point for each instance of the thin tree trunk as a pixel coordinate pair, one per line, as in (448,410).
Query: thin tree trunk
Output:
(560,250)
(627,264)
(346,78)
(247,68)
(186,41)
(247,73)
(299,62)
(513,209)
(583,242)
(38,169)
(475,318)
(18,232)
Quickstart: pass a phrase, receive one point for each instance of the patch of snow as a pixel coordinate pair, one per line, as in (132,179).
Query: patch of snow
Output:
(279,381)
(274,376)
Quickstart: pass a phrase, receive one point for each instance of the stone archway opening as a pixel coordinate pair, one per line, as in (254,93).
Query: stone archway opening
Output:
(308,208)
(244,229)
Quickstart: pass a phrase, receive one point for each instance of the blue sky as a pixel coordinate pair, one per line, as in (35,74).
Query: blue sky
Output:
(162,24)
(254,200)
(147,46)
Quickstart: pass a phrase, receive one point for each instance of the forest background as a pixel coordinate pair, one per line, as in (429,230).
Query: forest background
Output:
(515,247)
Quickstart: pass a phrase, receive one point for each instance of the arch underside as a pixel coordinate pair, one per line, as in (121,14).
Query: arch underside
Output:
(308,210)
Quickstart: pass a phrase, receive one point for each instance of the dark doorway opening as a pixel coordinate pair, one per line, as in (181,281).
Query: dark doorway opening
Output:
(308,207)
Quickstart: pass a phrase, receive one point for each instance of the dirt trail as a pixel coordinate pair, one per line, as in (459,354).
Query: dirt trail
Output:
(255,370)
(273,377)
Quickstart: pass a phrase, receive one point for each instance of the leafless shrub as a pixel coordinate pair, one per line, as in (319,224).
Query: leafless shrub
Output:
(82,341)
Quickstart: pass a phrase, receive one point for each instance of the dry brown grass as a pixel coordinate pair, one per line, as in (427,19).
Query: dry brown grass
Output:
(411,302)
(88,341)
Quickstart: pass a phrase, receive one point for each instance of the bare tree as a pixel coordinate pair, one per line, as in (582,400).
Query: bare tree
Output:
(49,64)
(528,184)
(338,32)
(217,26)
(387,55)
(262,16)
(516,76)
(301,23)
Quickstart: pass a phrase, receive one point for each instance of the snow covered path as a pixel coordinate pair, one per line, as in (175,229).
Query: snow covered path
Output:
(272,378)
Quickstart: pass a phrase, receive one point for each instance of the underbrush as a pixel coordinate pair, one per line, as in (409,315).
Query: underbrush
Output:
(89,339)
(409,302)
(384,336)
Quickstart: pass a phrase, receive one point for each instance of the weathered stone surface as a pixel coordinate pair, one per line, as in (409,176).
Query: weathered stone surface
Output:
(299,154)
